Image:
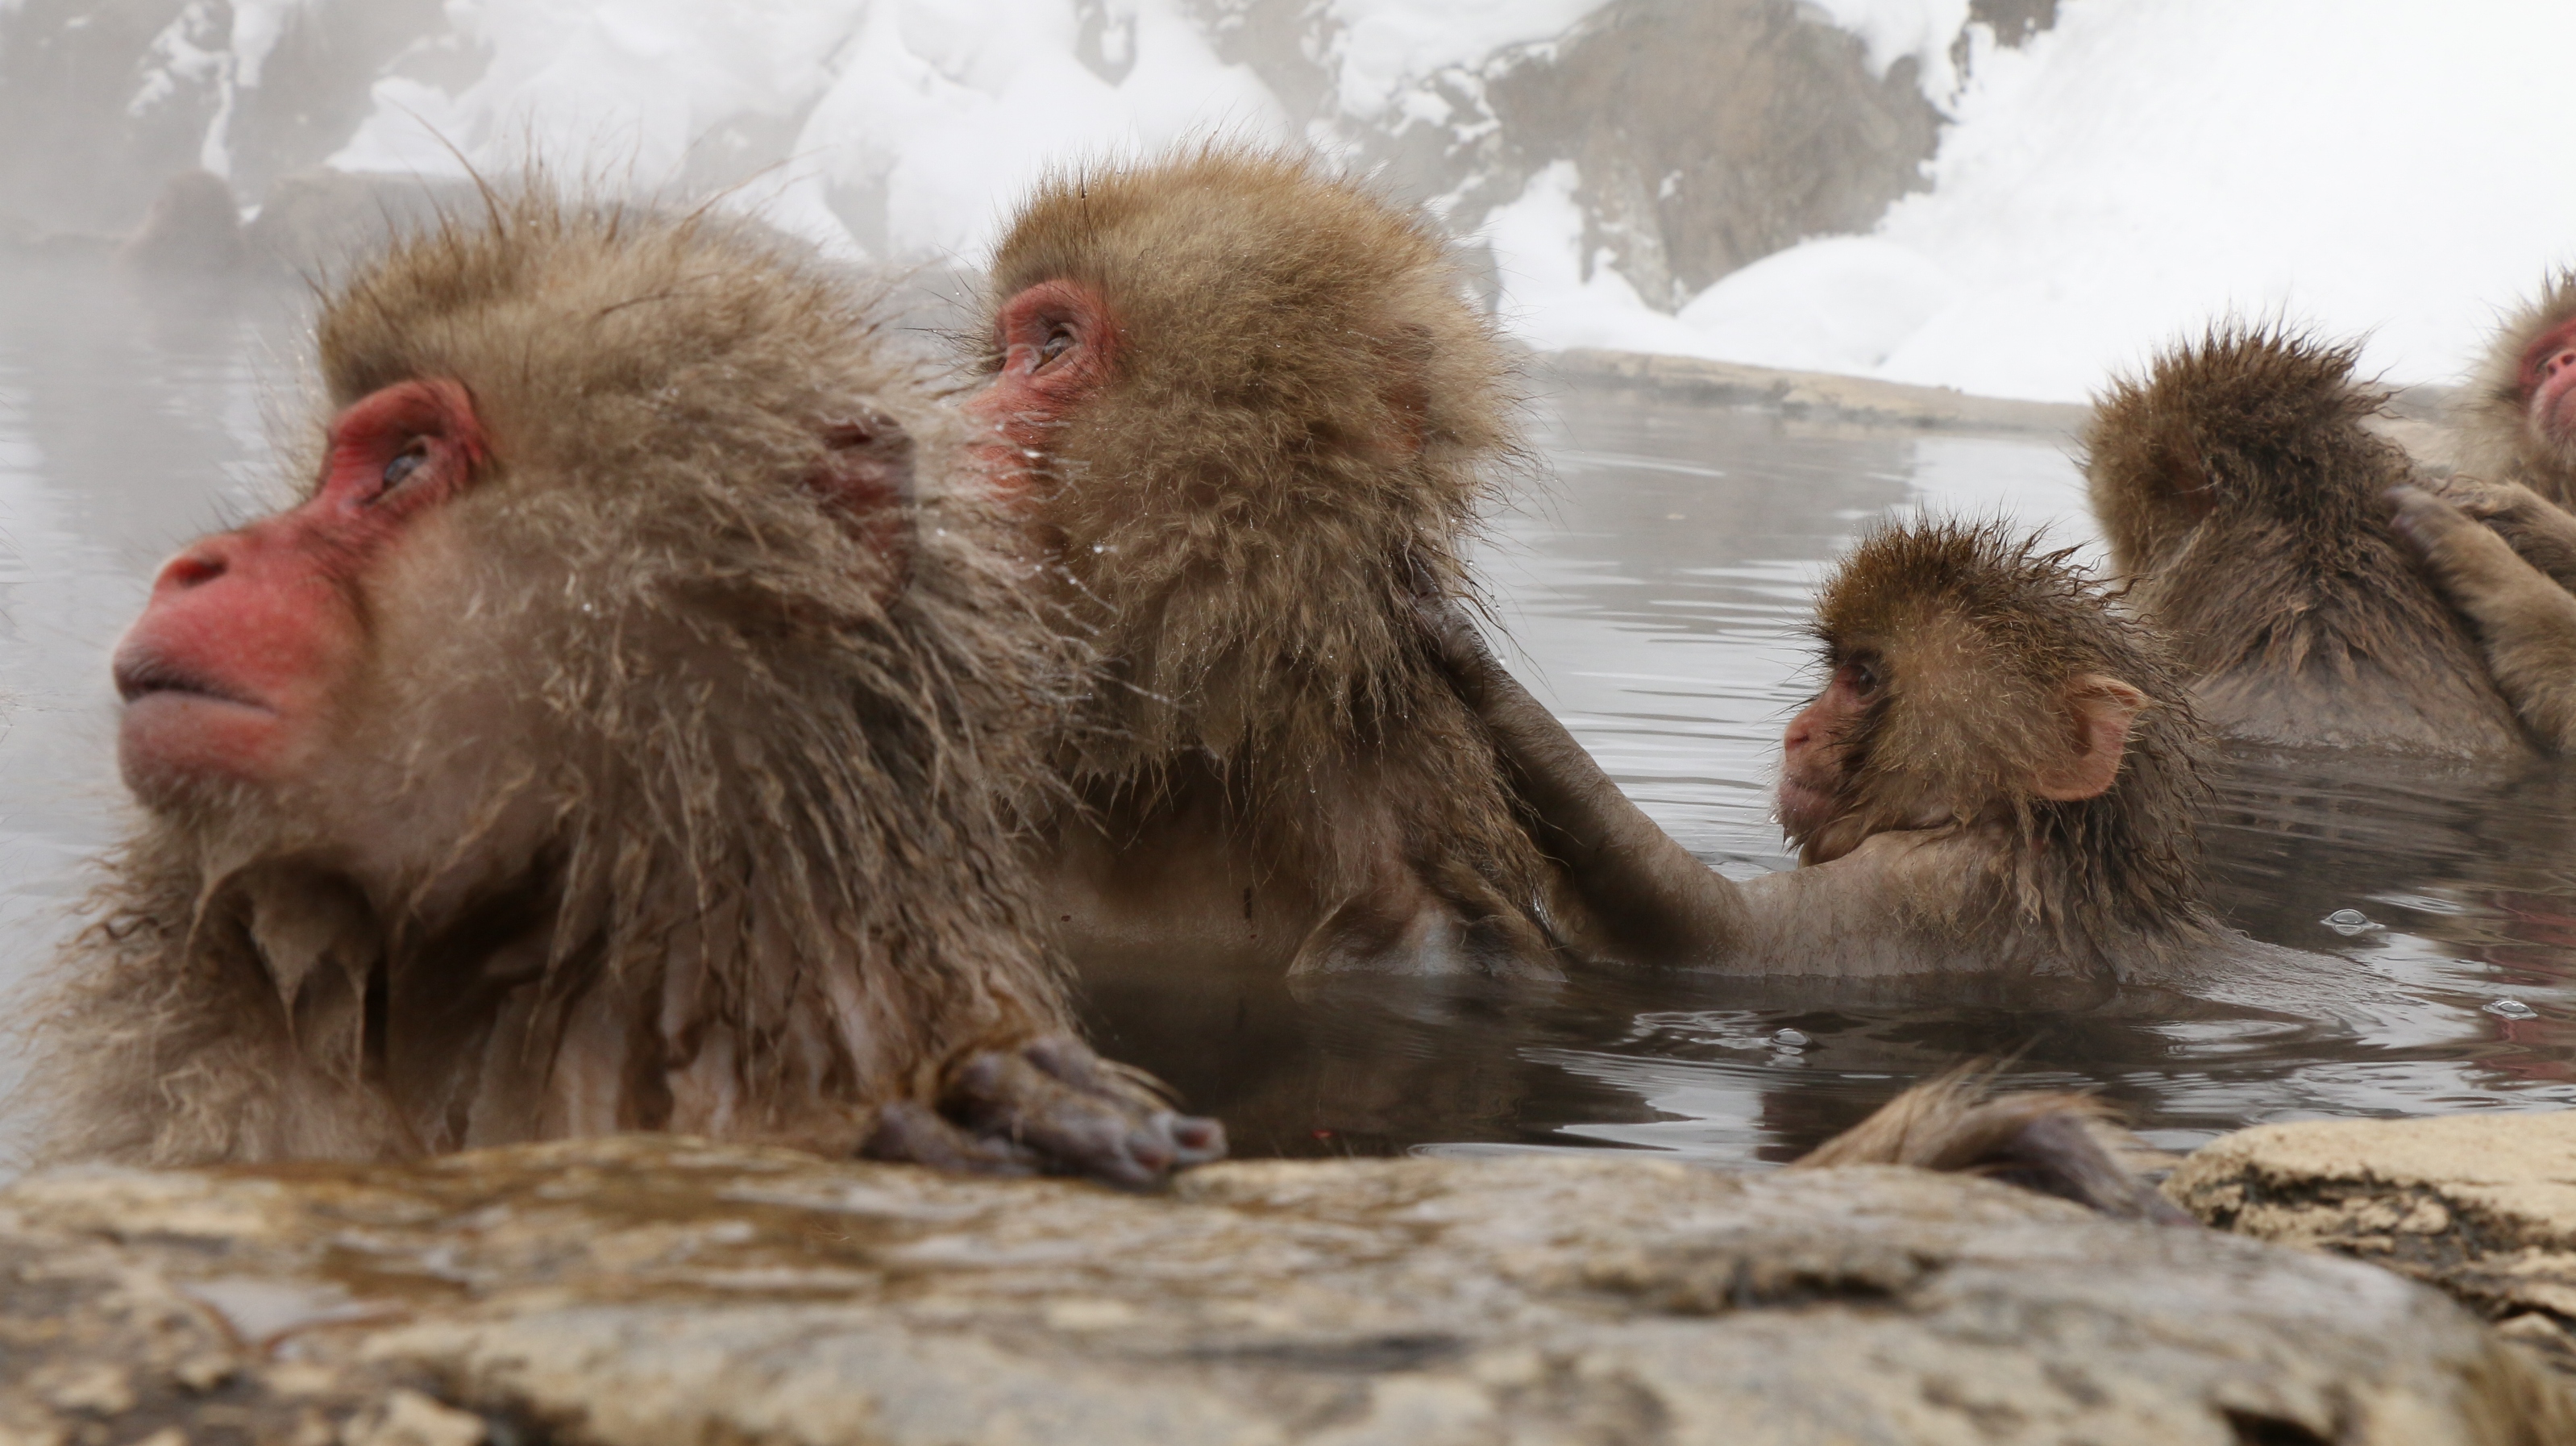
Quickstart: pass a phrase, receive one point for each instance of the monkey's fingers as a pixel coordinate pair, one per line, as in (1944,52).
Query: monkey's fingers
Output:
(2525,620)
(914,1134)
(2476,496)
(2466,559)
(1079,1114)
(2539,529)
(1456,643)
(1194,1139)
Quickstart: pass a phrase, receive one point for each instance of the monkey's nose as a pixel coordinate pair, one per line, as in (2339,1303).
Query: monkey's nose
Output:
(2559,362)
(202,563)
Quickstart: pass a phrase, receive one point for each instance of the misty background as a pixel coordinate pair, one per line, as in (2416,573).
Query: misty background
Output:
(2011,197)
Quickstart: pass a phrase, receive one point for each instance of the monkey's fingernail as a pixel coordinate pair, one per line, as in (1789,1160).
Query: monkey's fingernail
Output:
(1148,1152)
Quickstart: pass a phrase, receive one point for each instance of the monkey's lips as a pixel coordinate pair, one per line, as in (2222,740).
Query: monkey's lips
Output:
(1803,807)
(183,727)
(143,673)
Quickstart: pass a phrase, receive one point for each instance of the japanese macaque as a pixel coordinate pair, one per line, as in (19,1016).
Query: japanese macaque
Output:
(2517,475)
(2517,421)
(1248,409)
(2241,494)
(625,730)
(2001,775)
(2055,1142)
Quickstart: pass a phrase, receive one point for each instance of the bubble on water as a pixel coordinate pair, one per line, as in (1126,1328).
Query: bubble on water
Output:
(2349,922)
(1791,1039)
(2512,1009)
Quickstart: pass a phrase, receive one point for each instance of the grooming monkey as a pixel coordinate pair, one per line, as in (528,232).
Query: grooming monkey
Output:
(1245,407)
(627,728)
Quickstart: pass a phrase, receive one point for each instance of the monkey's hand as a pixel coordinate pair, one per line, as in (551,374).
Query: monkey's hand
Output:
(1456,642)
(2542,531)
(1053,1107)
(2526,622)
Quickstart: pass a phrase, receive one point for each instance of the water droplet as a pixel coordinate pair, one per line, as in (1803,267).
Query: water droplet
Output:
(2512,1009)
(2349,922)
(1791,1039)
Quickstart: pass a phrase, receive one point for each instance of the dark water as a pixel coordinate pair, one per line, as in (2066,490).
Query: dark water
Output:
(1654,584)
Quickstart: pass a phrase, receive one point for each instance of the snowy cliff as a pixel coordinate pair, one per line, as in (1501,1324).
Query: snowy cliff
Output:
(2007,196)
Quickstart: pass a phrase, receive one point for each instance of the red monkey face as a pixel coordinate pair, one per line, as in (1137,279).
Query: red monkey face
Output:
(1971,750)
(1815,765)
(230,674)
(2549,385)
(1057,345)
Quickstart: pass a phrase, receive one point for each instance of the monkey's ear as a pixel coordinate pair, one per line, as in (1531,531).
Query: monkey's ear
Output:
(2101,707)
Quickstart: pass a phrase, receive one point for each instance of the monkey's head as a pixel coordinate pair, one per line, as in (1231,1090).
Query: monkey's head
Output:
(2245,500)
(1978,682)
(2250,430)
(611,517)
(1247,401)
(2521,403)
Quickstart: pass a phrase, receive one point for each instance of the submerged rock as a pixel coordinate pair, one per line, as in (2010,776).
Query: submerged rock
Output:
(2483,1206)
(661,1290)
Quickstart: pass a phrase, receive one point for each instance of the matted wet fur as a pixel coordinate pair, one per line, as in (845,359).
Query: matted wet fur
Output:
(1304,418)
(1984,630)
(706,796)
(2054,1142)
(2239,490)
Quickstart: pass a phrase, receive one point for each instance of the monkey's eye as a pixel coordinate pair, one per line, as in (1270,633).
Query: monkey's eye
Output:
(405,464)
(1863,675)
(1059,340)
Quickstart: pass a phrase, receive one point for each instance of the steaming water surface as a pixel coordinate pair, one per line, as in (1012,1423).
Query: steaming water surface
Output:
(1654,582)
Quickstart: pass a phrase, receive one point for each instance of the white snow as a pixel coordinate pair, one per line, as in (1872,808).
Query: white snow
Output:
(1892,30)
(928,117)
(2370,167)
(1383,45)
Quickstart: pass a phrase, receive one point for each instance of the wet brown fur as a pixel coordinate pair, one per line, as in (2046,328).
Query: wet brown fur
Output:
(1304,416)
(2239,490)
(2496,438)
(2055,1142)
(692,799)
(1981,632)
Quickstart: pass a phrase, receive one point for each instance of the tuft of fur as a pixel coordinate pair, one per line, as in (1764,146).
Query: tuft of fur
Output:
(2054,1142)
(2497,440)
(2240,492)
(672,801)
(1980,630)
(1304,421)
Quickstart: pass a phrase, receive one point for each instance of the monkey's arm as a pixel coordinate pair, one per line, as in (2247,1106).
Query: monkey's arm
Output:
(2539,529)
(2526,622)
(1650,902)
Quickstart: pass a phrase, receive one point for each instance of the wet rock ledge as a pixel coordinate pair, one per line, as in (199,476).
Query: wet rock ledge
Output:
(647,1291)
(1813,396)
(2483,1206)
